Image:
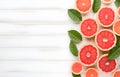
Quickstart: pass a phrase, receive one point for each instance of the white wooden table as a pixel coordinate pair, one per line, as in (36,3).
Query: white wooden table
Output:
(33,38)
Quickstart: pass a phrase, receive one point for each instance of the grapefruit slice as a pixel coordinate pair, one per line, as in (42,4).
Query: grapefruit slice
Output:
(91,72)
(105,39)
(116,28)
(88,55)
(105,65)
(107,1)
(106,17)
(88,28)
(84,6)
(76,67)
(116,73)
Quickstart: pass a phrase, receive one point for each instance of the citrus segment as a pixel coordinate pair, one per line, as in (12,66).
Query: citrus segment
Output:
(76,67)
(89,28)
(83,5)
(105,40)
(91,72)
(88,55)
(116,27)
(106,17)
(106,65)
(116,74)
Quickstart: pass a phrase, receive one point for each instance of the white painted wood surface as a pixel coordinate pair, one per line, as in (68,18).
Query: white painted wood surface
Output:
(33,38)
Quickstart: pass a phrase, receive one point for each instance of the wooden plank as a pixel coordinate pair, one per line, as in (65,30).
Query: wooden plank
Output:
(36,66)
(20,4)
(25,41)
(24,74)
(33,15)
(34,41)
(36,54)
(43,17)
(13,29)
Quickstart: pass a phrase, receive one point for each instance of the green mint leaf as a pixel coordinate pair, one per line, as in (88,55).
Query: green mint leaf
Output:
(75,15)
(117,3)
(74,75)
(73,48)
(96,5)
(75,36)
(114,53)
(118,40)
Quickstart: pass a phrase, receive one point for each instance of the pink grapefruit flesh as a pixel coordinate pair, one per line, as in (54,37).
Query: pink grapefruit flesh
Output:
(88,55)
(83,5)
(105,39)
(116,27)
(76,67)
(106,17)
(89,28)
(91,72)
(116,73)
(106,65)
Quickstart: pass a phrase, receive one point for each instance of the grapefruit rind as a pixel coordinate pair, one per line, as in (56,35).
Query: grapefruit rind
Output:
(114,29)
(90,69)
(94,33)
(104,71)
(99,46)
(80,70)
(82,12)
(115,72)
(107,2)
(94,61)
(103,24)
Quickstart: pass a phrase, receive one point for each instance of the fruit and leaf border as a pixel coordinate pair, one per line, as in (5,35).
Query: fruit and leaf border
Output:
(76,37)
